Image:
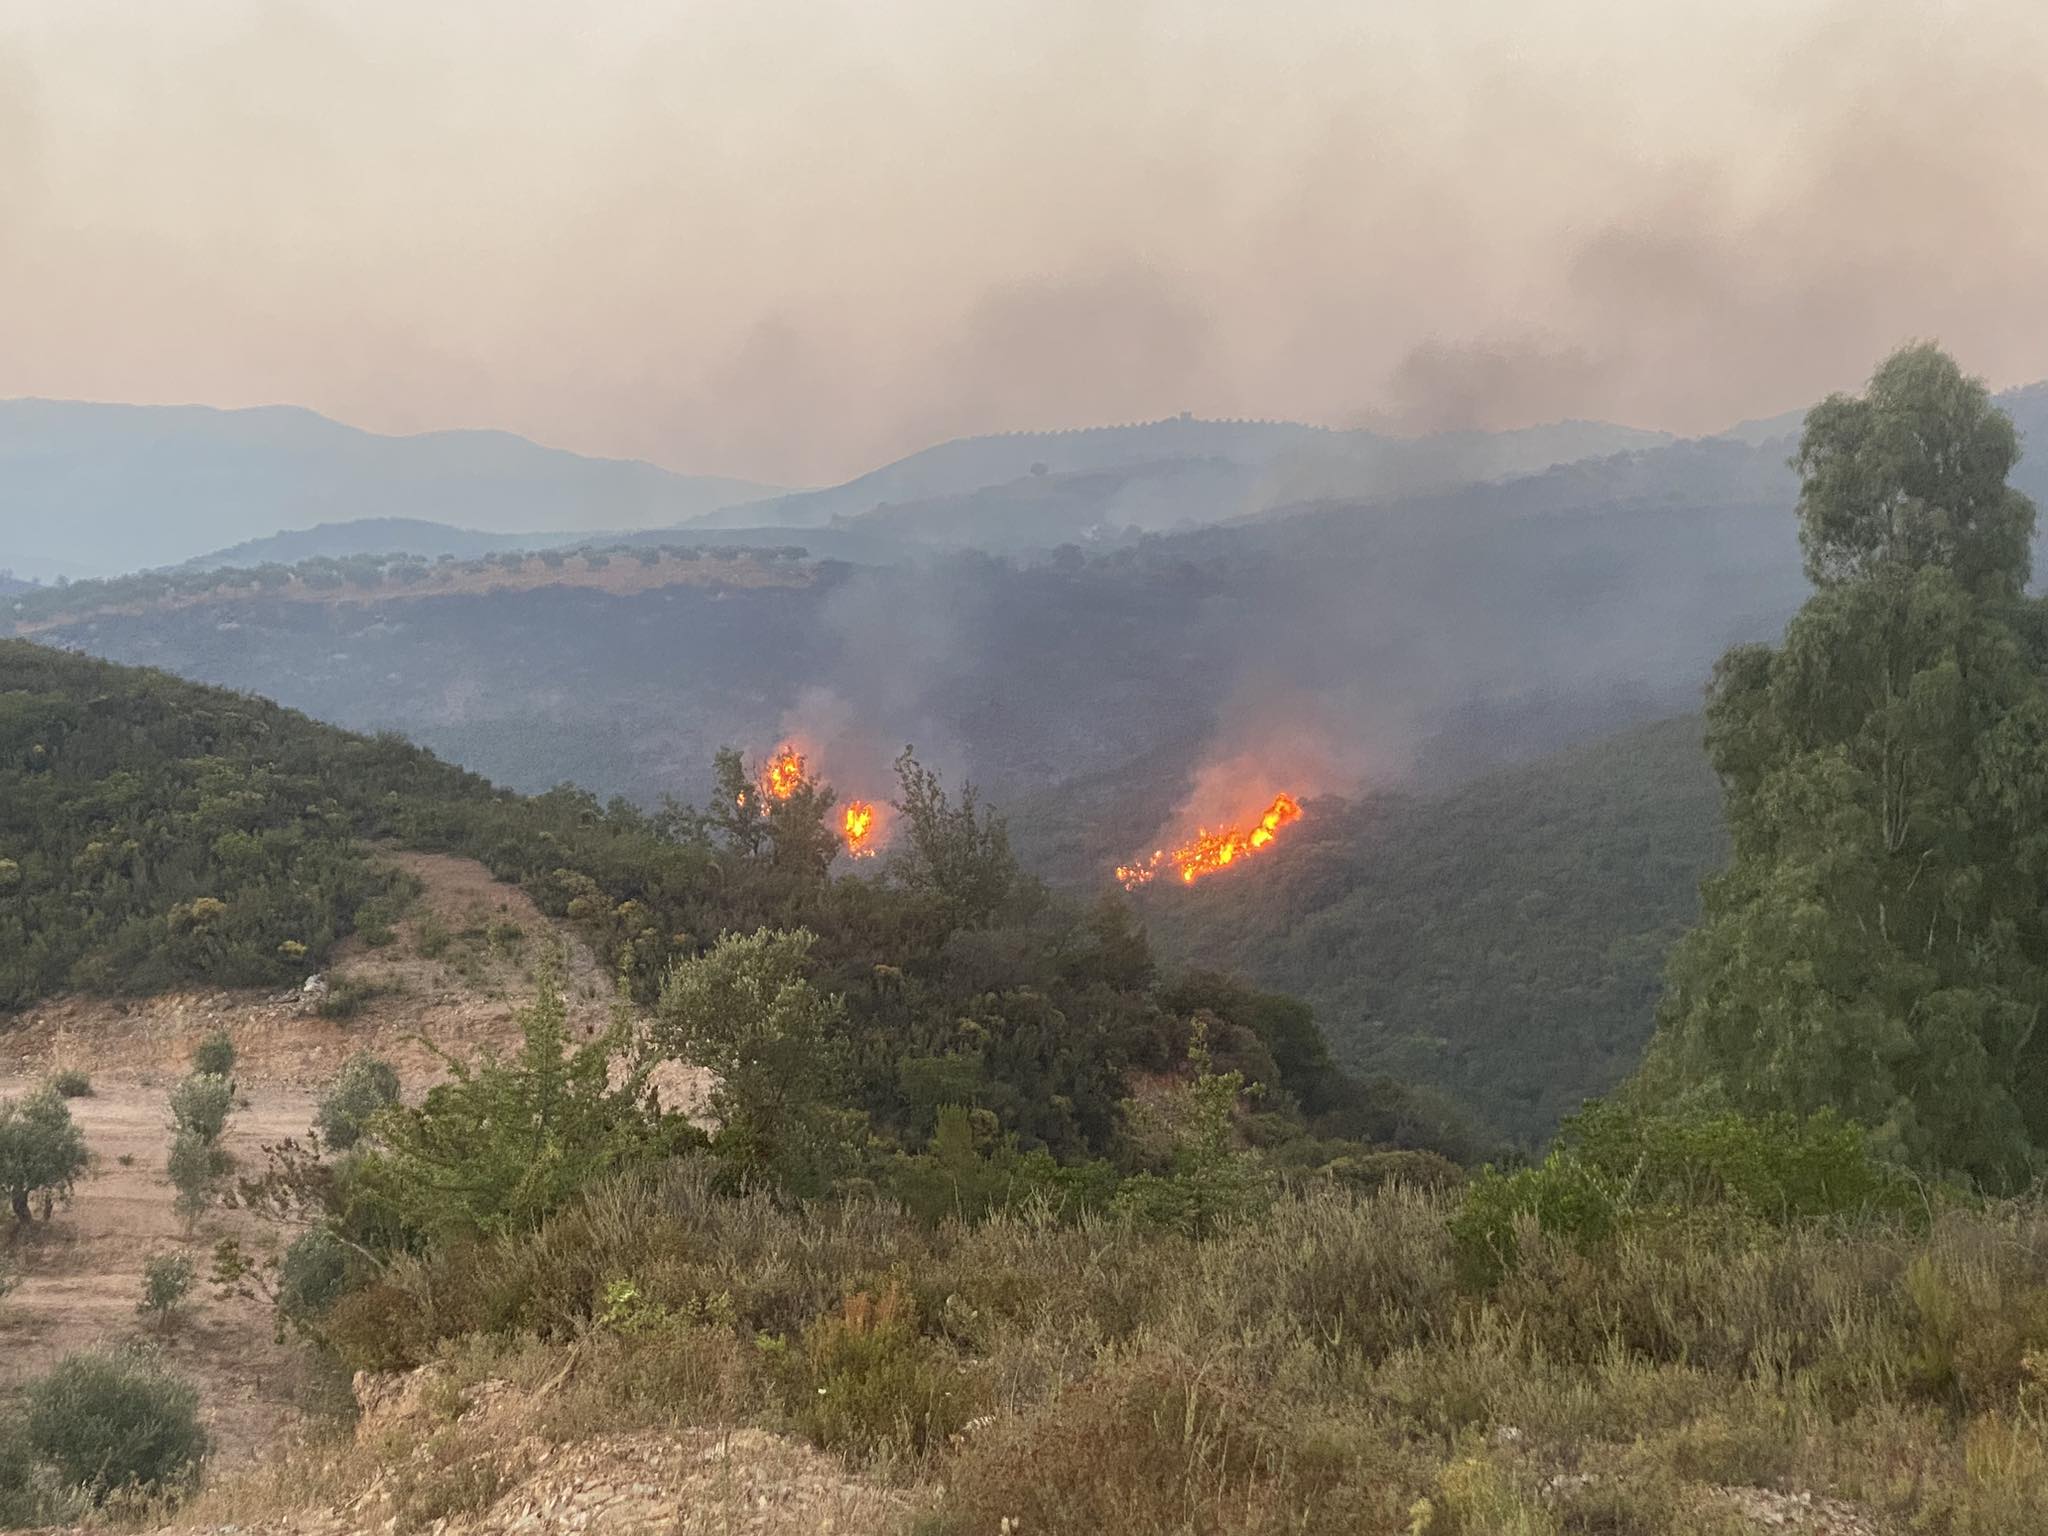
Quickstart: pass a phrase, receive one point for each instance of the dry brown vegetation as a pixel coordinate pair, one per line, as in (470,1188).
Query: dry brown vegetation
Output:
(1317,1370)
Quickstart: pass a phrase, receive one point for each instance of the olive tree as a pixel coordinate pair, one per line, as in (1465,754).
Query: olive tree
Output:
(42,1151)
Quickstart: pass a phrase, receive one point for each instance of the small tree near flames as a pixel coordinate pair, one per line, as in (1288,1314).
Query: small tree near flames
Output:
(1208,1179)
(746,1011)
(957,855)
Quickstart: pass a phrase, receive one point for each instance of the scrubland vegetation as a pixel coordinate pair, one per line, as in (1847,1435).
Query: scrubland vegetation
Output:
(991,1208)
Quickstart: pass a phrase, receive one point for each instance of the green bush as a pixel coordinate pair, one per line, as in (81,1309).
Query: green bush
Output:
(215,1055)
(365,1087)
(430,936)
(1617,1168)
(29,1496)
(166,1281)
(311,1277)
(346,997)
(113,1421)
(70,1083)
(196,1167)
(42,1152)
(201,1104)
(504,1142)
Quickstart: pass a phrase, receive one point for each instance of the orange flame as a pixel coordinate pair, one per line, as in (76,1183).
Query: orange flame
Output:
(783,775)
(1206,852)
(859,826)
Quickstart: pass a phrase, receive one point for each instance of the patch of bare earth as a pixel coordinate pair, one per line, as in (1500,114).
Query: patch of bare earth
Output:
(80,1273)
(427,1456)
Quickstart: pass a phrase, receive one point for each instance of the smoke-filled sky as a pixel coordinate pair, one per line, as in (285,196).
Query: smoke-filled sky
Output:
(789,239)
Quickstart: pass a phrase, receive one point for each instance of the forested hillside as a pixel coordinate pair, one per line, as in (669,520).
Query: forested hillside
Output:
(1504,942)
(154,832)
(1447,633)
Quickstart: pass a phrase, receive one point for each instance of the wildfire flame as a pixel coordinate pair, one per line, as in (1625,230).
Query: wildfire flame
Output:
(783,775)
(859,826)
(1206,852)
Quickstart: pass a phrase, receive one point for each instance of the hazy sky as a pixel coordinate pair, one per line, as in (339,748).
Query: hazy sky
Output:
(791,240)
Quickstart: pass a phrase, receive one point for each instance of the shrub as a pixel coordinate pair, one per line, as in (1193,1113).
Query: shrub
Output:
(29,1497)
(430,936)
(1209,1180)
(166,1281)
(365,1087)
(113,1421)
(346,996)
(215,1055)
(42,1152)
(196,1166)
(1615,1168)
(867,1381)
(201,1104)
(311,1277)
(503,1143)
(71,1083)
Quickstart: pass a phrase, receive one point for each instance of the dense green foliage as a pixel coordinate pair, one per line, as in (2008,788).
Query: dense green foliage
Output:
(111,1422)
(166,1281)
(364,1088)
(214,1056)
(745,1012)
(1613,1170)
(201,1105)
(152,833)
(961,981)
(502,1143)
(1878,945)
(42,1152)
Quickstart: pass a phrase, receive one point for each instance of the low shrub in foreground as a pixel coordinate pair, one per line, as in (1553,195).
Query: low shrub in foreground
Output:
(1615,1169)
(109,1422)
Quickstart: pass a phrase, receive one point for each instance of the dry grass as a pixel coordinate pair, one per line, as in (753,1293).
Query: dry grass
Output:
(1318,1370)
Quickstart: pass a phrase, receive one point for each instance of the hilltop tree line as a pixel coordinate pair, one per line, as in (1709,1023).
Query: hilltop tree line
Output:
(346,574)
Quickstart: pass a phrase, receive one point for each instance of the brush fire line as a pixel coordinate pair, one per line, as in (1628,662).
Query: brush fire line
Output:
(1207,852)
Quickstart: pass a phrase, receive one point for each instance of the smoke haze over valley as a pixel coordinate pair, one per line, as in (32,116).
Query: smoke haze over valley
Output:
(788,242)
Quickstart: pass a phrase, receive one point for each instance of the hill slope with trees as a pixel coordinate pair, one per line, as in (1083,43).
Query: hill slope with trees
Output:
(1504,942)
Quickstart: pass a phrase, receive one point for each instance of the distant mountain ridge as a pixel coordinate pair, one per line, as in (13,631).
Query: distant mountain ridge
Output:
(114,488)
(1296,461)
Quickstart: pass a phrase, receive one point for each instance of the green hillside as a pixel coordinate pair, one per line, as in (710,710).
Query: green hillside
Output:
(155,832)
(1503,942)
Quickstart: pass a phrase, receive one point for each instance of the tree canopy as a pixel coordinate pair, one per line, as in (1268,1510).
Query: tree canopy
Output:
(1878,944)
